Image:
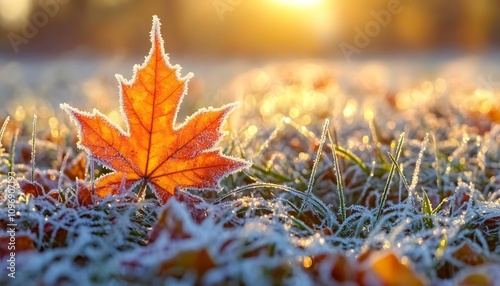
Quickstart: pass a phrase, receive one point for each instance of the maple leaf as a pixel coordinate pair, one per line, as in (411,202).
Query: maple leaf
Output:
(154,151)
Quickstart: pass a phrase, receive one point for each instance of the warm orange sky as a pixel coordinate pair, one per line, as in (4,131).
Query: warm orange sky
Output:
(256,27)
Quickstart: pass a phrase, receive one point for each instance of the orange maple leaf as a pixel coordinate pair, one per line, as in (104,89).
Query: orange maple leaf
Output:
(154,151)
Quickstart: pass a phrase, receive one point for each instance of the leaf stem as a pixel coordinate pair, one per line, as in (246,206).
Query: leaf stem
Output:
(142,192)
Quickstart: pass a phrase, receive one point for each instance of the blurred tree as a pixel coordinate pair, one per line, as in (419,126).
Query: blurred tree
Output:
(256,27)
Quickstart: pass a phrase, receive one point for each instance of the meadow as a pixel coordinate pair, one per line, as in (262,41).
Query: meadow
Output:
(358,183)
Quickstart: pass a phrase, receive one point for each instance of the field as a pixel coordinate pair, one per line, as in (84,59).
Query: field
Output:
(355,179)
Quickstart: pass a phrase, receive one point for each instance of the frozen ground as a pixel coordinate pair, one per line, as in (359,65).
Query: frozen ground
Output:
(75,78)
(264,228)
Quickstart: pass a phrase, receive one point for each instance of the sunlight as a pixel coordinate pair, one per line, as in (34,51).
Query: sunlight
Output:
(307,262)
(12,12)
(350,108)
(300,3)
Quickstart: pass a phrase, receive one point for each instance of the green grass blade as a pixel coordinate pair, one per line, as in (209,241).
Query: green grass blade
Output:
(416,172)
(351,156)
(315,165)
(426,204)
(2,131)
(33,149)
(375,130)
(436,209)
(387,186)
(340,180)
(12,150)
(427,208)
(400,171)
(439,180)
(272,173)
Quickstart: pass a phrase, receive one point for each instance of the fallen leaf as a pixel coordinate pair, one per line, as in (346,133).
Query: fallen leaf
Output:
(391,271)
(57,239)
(478,276)
(83,194)
(29,187)
(467,254)
(76,168)
(153,151)
(476,279)
(23,242)
(44,182)
(195,205)
(197,261)
(332,268)
(171,224)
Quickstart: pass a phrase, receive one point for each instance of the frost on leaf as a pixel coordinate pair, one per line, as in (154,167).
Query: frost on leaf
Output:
(153,150)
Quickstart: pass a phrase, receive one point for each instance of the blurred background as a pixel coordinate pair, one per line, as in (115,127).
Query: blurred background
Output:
(215,28)
(54,51)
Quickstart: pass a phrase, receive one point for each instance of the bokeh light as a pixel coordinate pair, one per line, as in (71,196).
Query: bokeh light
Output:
(13,12)
(278,58)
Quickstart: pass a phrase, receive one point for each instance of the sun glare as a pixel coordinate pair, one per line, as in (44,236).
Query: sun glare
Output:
(12,12)
(301,3)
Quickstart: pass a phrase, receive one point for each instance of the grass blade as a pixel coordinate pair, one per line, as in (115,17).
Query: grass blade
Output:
(340,180)
(439,180)
(315,165)
(33,149)
(387,186)
(427,208)
(12,151)
(351,156)
(2,132)
(400,171)
(414,179)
